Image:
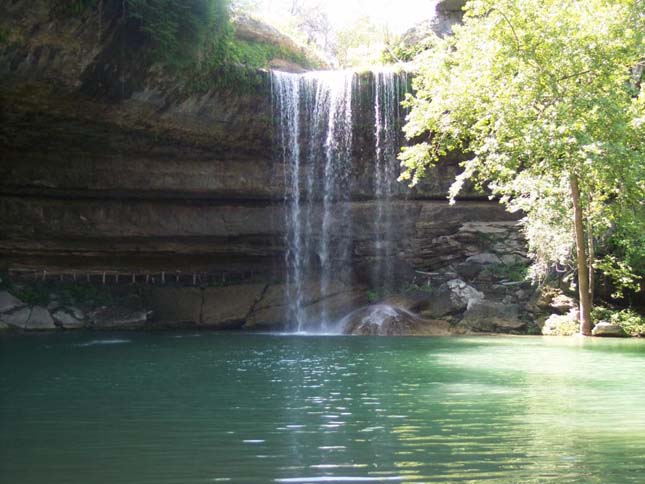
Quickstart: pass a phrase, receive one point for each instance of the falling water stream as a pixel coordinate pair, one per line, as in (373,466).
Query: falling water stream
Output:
(314,115)
(315,135)
(389,87)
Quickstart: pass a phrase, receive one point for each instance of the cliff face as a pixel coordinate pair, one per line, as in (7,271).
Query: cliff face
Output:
(85,131)
(109,163)
(447,14)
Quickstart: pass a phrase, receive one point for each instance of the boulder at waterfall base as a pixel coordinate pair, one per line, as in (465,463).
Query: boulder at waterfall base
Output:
(386,320)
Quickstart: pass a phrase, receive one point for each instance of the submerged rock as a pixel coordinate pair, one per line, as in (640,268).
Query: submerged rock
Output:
(115,317)
(606,329)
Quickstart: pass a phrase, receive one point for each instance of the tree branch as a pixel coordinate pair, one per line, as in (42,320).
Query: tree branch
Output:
(574,75)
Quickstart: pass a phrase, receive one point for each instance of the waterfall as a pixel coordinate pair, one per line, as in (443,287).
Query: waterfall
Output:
(286,98)
(314,131)
(314,127)
(389,89)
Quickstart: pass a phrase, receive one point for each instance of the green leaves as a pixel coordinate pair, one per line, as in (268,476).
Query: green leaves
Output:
(536,90)
(620,273)
(172,27)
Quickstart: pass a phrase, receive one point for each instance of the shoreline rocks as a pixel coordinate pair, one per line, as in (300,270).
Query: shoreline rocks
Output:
(39,320)
(606,329)
(454,307)
(66,319)
(8,302)
(492,317)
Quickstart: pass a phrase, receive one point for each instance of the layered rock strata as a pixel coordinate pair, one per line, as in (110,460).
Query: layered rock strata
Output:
(111,163)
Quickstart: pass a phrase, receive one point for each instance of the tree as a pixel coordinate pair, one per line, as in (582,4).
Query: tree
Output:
(361,42)
(173,28)
(543,95)
(312,20)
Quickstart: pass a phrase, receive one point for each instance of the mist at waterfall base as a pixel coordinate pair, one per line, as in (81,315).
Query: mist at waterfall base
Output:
(182,408)
(314,117)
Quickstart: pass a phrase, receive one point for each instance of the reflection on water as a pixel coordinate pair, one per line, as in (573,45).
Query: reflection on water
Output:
(259,408)
(114,341)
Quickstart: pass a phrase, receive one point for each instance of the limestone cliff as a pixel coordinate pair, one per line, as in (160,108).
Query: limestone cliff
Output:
(107,157)
(108,162)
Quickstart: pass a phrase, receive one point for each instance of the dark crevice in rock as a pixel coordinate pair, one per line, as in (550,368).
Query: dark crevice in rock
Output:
(201,306)
(257,302)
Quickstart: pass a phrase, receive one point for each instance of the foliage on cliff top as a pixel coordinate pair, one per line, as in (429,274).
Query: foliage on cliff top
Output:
(194,37)
(259,54)
(174,28)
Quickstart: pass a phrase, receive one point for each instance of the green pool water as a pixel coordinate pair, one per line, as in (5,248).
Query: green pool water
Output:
(200,408)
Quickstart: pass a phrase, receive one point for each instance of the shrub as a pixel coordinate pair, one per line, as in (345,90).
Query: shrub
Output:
(414,287)
(172,28)
(34,294)
(632,323)
(258,54)
(372,296)
(513,272)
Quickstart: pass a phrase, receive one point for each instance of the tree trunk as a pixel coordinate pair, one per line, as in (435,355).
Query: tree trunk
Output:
(581,260)
(592,258)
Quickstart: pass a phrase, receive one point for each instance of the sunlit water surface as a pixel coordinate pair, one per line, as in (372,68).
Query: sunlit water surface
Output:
(203,408)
